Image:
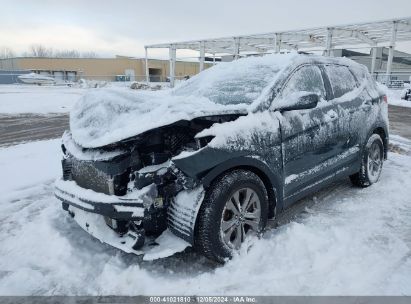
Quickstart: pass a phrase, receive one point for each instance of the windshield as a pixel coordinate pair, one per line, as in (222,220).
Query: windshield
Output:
(237,82)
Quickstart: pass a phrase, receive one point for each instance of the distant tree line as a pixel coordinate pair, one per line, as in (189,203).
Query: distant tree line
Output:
(39,50)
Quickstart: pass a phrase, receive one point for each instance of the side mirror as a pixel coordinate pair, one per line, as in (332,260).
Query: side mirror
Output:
(292,102)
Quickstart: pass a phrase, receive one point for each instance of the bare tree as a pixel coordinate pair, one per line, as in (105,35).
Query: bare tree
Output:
(6,52)
(67,54)
(39,50)
(90,54)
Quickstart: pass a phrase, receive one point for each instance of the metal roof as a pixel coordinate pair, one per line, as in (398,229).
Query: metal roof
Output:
(369,34)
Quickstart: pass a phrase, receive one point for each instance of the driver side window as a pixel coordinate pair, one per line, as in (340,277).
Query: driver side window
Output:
(306,78)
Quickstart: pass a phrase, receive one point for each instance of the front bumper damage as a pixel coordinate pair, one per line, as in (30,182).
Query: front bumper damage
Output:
(99,213)
(128,207)
(132,199)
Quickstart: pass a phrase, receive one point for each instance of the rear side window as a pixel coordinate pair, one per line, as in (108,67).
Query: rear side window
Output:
(341,79)
(307,78)
(362,75)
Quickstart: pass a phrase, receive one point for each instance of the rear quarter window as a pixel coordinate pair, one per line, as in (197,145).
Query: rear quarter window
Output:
(362,75)
(341,79)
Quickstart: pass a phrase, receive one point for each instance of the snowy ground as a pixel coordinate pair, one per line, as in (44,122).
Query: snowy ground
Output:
(16,99)
(342,241)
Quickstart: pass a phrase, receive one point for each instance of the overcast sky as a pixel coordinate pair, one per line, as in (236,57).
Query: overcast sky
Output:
(124,27)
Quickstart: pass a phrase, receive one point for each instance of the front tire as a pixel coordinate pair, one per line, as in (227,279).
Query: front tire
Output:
(371,163)
(235,206)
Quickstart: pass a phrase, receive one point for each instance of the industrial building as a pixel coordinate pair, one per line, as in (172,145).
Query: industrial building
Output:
(400,67)
(119,68)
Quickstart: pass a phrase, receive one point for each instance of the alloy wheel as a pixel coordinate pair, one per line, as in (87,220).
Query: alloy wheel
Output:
(241,217)
(375,160)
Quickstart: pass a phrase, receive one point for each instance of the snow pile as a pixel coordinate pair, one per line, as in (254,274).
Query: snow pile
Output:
(89,83)
(151,86)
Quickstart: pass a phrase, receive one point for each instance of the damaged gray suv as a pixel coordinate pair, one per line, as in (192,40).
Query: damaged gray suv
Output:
(208,163)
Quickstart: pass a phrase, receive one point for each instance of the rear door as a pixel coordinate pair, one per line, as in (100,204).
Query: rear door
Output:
(352,104)
(308,136)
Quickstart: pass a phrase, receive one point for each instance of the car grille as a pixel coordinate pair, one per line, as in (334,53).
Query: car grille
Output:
(86,175)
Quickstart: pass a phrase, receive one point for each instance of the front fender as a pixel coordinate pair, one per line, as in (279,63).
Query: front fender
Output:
(206,166)
(197,164)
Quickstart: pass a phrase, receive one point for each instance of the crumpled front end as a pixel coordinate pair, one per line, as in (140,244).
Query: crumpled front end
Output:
(133,188)
(123,221)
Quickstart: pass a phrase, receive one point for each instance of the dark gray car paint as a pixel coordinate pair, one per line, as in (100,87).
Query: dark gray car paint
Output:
(277,159)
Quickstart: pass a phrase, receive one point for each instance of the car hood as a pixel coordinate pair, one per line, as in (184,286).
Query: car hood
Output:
(106,116)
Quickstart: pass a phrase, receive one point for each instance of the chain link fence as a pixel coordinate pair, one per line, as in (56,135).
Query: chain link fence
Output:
(393,81)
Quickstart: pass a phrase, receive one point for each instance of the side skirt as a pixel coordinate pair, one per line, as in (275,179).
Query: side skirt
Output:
(320,184)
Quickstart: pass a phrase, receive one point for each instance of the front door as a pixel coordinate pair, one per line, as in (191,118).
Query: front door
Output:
(307,135)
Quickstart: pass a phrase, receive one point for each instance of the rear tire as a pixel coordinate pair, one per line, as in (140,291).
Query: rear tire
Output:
(371,163)
(235,206)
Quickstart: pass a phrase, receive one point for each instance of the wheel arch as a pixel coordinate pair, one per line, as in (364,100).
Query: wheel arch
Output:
(270,180)
(384,136)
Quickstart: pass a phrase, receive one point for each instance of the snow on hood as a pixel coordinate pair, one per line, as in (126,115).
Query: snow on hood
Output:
(104,116)
(110,115)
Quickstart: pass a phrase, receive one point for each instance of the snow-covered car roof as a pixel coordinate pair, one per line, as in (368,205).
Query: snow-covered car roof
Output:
(105,116)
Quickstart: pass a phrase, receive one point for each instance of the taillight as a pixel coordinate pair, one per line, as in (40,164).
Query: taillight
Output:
(385,98)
